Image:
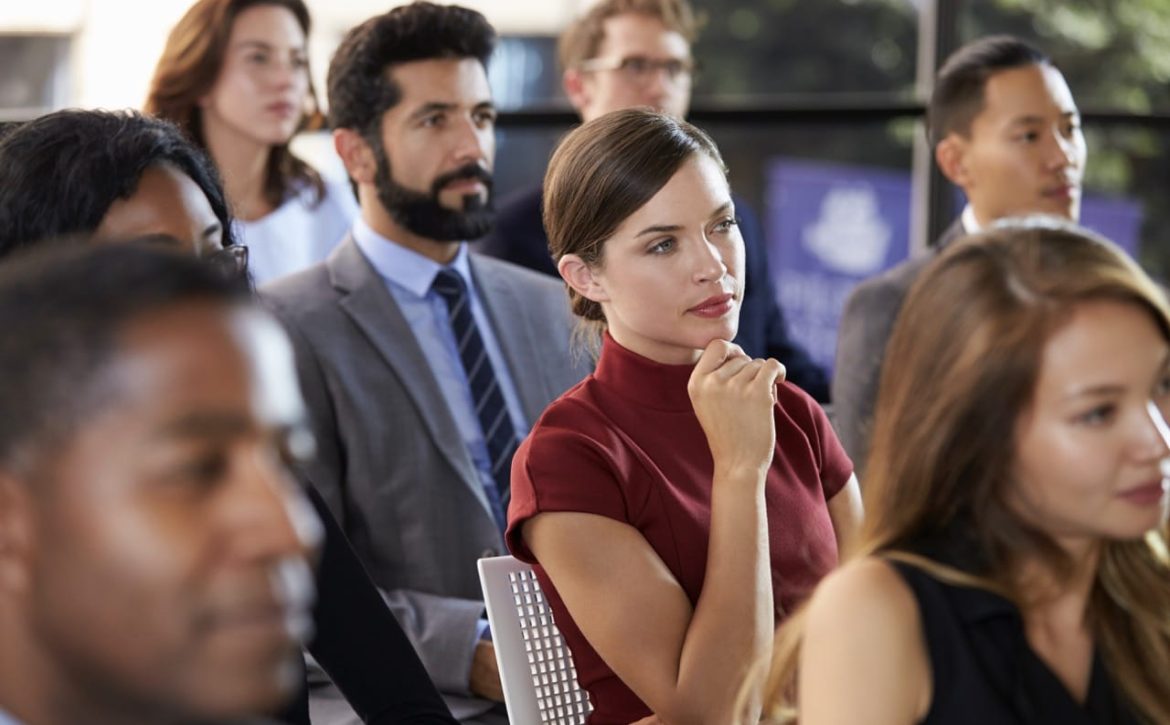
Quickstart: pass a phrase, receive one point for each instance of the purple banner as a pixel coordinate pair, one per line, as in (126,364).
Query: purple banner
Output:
(829,226)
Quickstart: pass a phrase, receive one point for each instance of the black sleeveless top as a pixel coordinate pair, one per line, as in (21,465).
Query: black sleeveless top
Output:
(984,671)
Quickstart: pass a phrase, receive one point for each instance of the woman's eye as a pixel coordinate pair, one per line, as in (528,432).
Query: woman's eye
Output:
(662,247)
(1097,416)
(726,225)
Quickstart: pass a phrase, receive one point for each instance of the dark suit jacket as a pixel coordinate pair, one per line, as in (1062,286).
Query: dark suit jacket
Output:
(390,461)
(518,236)
(866,324)
(361,645)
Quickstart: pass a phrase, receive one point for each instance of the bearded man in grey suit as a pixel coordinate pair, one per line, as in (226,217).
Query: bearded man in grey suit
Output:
(422,364)
(1006,130)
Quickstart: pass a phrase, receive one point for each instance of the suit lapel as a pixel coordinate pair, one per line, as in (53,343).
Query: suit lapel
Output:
(366,300)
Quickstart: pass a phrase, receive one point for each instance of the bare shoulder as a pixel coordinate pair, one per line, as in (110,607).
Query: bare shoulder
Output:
(868,587)
(864,630)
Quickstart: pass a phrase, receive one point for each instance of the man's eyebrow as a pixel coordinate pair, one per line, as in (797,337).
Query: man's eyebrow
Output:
(204,425)
(428,108)
(1032,119)
(1026,120)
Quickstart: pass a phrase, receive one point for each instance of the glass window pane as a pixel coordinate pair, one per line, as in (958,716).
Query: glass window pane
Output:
(1115,55)
(754,48)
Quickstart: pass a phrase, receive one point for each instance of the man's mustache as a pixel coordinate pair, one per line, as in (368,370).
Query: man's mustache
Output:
(467,171)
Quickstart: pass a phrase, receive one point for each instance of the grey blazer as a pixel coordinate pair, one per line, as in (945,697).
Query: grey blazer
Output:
(390,461)
(864,330)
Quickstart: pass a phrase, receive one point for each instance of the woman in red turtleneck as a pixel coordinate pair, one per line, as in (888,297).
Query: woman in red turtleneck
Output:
(680,500)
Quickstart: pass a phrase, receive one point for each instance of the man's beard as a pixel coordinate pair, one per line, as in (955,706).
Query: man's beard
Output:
(424,215)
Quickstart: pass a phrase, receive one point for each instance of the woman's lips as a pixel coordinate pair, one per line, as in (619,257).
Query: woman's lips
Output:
(281,109)
(1148,494)
(715,306)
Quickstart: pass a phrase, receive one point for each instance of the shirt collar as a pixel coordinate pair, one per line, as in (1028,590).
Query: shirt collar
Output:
(404,267)
(970,223)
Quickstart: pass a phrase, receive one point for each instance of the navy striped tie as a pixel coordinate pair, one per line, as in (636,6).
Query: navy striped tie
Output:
(498,432)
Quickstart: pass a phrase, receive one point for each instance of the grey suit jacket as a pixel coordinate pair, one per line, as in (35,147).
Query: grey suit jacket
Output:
(866,324)
(390,460)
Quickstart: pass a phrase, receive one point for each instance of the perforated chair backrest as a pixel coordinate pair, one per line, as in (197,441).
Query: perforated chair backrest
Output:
(536,671)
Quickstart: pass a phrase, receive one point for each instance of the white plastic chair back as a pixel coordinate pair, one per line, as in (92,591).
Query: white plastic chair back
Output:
(536,671)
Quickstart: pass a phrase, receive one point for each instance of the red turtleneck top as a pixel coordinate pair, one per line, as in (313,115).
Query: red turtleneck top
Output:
(625,443)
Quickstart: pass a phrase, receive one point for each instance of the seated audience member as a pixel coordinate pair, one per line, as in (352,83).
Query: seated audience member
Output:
(637,53)
(683,498)
(154,551)
(156,184)
(423,364)
(234,76)
(1012,567)
(1005,129)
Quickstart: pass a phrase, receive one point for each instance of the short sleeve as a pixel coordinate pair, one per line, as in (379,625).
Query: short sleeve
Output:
(567,463)
(832,462)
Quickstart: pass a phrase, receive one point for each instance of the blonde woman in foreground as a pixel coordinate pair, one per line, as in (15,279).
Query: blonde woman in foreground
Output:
(1013,560)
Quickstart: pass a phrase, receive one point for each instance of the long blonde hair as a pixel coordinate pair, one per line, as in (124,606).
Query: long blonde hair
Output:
(959,369)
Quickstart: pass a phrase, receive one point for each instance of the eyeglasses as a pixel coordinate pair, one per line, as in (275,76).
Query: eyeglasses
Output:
(641,69)
(231,261)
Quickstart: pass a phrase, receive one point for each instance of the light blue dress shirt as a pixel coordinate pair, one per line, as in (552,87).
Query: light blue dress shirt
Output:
(6,719)
(408,276)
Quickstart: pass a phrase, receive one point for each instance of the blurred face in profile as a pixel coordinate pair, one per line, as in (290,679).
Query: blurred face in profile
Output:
(640,63)
(1025,152)
(670,278)
(168,575)
(1088,453)
(263,84)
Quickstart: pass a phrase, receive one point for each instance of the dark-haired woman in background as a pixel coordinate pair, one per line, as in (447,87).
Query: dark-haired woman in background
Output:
(155,184)
(235,76)
(1013,565)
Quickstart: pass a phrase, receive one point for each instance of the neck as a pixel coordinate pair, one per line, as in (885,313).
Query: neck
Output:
(36,688)
(380,220)
(243,164)
(1063,600)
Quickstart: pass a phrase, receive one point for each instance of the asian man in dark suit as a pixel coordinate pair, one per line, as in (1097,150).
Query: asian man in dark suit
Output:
(1005,129)
(423,364)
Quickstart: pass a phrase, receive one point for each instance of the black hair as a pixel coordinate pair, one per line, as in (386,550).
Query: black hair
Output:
(958,90)
(359,89)
(62,308)
(60,173)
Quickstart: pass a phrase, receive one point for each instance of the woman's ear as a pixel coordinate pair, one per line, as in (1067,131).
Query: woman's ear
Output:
(584,279)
